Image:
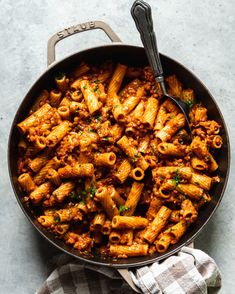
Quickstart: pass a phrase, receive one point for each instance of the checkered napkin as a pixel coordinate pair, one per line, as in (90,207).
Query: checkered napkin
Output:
(191,271)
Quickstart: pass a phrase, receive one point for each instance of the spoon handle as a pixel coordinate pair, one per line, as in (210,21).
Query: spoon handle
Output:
(141,13)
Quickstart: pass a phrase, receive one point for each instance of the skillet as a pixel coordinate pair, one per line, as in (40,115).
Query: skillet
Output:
(132,56)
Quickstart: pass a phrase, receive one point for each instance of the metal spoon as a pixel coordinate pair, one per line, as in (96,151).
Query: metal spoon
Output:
(141,13)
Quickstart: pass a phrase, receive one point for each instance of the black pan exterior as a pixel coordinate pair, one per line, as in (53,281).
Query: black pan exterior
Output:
(130,55)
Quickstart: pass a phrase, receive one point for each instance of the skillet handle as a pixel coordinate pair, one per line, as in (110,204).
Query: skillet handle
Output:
(91,25)
(127,277)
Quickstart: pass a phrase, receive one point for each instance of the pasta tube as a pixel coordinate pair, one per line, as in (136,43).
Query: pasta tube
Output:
(117,109)
(124,251)
(171,128)
(129,222)
(160,119)
(26,182)
(137,174)
(150,112)
(127,237)
(123,171)
(115,237)
(33,118)
(98,221)
(125,144)
(54,177)
(41,175)
(63,191)
(166,188)
(81,70)
(78,170)
(170,171)
(102,195)
(154,206)
(64,112)
(202,181)
(157,224)
(175,86)
(171,149)
(175,216)
(46,220)
(38,145)
(105,159)
(133,198)
(188,211)
(68,214)
(107,227)
(163,243)
(55,97)
(115,83)
(62,83)
(58,133)
(177,231)
(190,190)
(198,163)
(130,103)
(138,112)
(116,197)
(90,97)
(40,193)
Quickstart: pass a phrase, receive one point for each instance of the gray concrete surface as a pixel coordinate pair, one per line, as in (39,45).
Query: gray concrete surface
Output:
(200,34)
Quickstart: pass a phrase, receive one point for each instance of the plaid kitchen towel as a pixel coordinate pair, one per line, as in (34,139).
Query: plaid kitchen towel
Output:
(190,271)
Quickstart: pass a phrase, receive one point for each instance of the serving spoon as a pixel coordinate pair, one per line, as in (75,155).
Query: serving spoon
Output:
(142,15)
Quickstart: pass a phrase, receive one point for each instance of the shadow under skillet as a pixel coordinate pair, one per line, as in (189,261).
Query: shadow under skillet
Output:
(45,251)
(209,238)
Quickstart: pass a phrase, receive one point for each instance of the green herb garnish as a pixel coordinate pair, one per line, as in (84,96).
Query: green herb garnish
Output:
(76,197)
(190,103)
(84,87)
(93,191)
(57,219)
(123,208)
(105,138)
(59,75)
(177,177)
(134,159)
(96,81)
(99,118)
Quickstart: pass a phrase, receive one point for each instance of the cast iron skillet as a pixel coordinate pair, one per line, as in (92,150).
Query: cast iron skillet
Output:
(131,55)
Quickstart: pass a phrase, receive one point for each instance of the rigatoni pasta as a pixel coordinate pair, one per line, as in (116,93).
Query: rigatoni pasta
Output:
(108,166)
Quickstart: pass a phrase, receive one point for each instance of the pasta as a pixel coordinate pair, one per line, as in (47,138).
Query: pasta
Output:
(109,168)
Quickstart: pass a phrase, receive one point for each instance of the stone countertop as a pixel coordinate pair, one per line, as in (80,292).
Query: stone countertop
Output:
(200,34)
